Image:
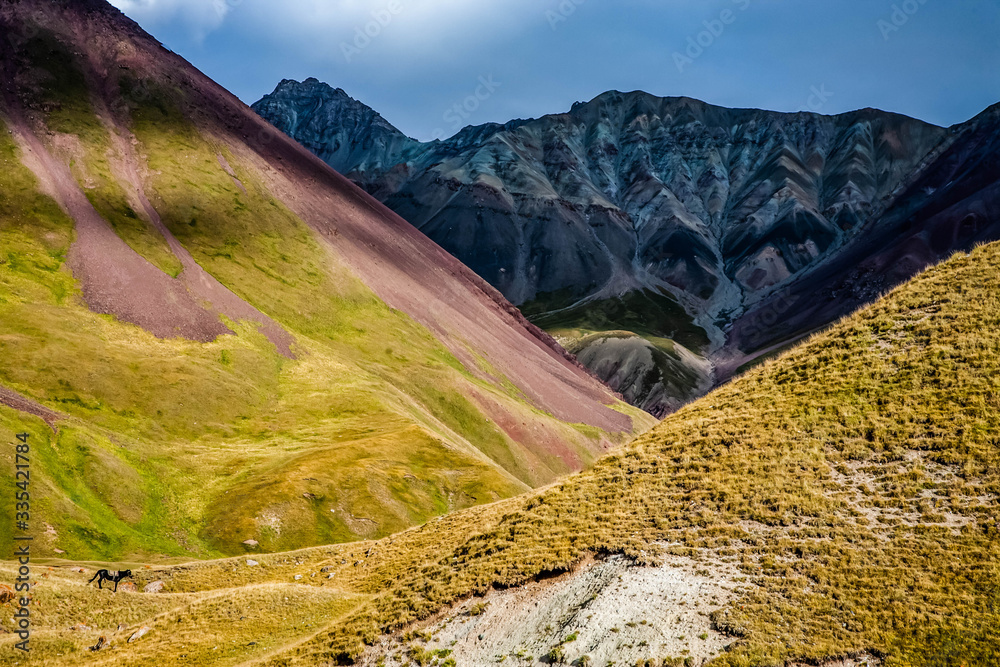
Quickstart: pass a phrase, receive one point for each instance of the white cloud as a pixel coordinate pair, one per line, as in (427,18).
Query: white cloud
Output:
(200,16)
(416,28)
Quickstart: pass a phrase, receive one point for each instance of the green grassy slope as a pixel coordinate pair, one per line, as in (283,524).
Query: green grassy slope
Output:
(647,313)
(656,317)
(176,448)
(156,422)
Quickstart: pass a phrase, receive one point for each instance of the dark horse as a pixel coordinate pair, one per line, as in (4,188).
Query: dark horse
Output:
(115,576)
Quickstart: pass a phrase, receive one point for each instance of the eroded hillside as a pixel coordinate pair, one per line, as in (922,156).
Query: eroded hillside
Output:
(214,338)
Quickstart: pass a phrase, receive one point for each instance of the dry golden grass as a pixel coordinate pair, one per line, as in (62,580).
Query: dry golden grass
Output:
(222,626)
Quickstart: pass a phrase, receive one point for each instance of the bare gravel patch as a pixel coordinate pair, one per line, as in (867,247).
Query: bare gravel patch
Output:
(608,610)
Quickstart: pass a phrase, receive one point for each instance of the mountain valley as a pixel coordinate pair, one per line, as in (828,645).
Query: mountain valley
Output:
(251,416)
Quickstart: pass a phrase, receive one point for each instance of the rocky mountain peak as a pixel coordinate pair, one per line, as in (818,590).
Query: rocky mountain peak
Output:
(344,132)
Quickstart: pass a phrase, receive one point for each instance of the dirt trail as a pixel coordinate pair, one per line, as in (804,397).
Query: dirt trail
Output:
(14,400)
(269,657)
(190,601)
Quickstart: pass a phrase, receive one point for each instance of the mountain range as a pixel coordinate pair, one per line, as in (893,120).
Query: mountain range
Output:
(666,241)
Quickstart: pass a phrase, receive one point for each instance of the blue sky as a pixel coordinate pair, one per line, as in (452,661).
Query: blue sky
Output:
(932,59)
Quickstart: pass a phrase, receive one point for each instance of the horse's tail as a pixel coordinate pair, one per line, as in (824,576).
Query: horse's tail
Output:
(94,577)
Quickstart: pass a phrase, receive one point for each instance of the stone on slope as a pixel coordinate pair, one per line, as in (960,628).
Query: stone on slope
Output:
(154,587)
(138,634)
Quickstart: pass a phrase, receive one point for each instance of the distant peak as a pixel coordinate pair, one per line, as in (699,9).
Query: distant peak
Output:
(312,86)
(312,96)
(620,97)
